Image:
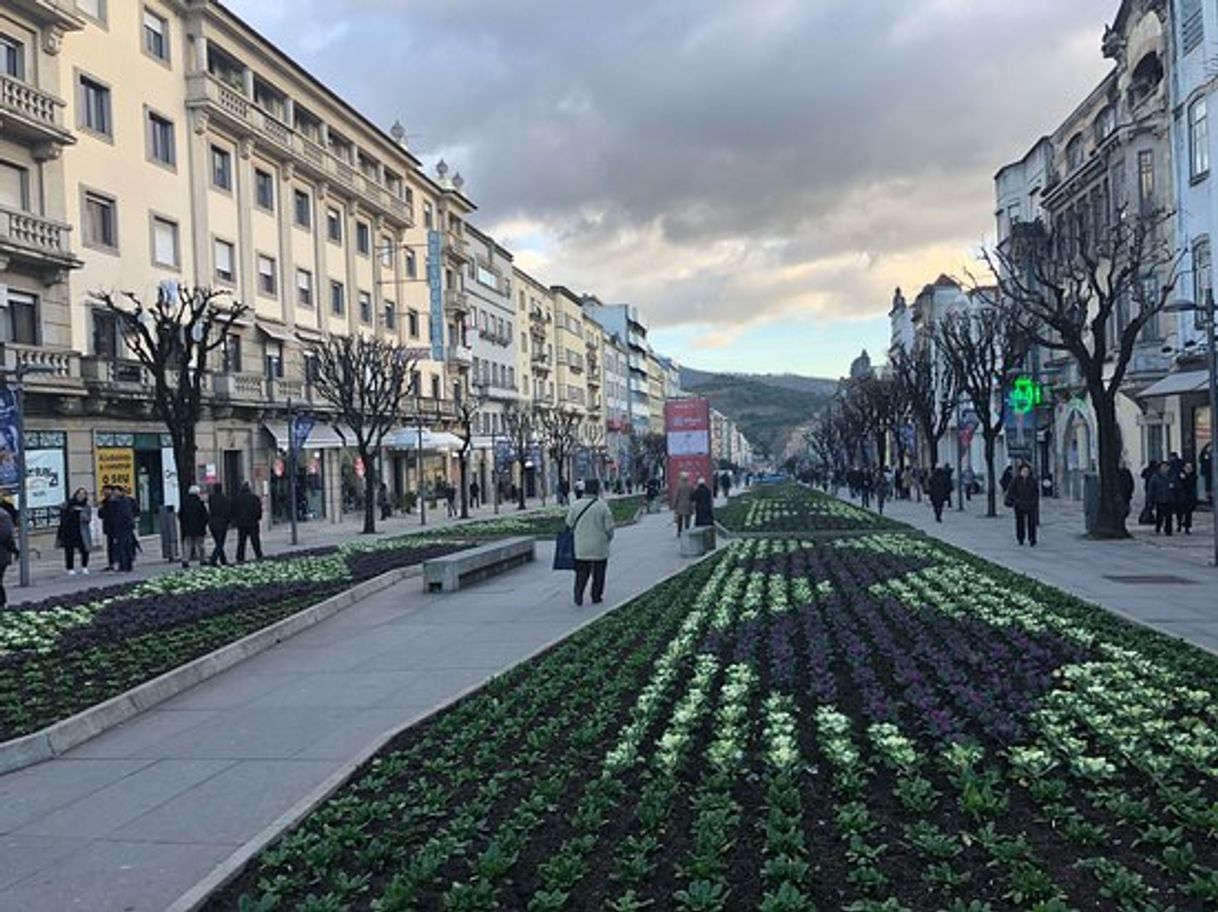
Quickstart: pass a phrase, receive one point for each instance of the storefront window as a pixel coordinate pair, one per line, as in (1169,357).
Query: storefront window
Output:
(310,487)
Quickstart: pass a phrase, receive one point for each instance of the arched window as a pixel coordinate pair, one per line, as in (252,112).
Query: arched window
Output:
(1074,152)
(1105,124)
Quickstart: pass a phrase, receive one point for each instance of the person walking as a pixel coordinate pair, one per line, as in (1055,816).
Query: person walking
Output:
(727,485)
(704,504)
(104,513)
(682,503)
(474,492)
(592,523)
(940,490)
(1186,501)
(193,522)
(866,487)
(1023,496)
(125,512)
(968,478)
(8,550)
(382,499)
(219,516)
(450,500)
(74,534)
(1126,485)
(247,517)
(1008,475)
(1161,494)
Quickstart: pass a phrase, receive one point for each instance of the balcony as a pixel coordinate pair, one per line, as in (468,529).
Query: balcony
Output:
(214,98)
(240,387)
(57,367)
(460,356)
(280,389)
(114,372)
(537,315)
(38,242)
(456,301)
(594,378)
(454,246)
(31,113)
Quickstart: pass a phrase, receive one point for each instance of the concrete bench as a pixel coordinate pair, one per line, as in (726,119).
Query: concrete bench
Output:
(697,541)
(451,572)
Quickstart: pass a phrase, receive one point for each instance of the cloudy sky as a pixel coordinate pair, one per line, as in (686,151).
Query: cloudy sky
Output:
(755,175)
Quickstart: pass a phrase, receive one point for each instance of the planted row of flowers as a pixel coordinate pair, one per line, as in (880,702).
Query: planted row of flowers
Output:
(546,522)
(879,723)
(792,510)
(65,654)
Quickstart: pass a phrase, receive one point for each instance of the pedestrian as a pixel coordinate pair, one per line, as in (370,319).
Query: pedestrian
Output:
(219,516)
(968,478)
(1023,496)
(579,489)
(74,534)
(192,519)
(247,517)
(474,492)
(866,488)
(727,485)
(1005,481)
(704,505)
(1186,501)
(450,499)
(125,511)
(8,550)
(564,492)
(652,491)
(592,524)
(104,513)
(1126,485)
(1162,494)
(382,500)
(718,484)
(940,490)
(682,503)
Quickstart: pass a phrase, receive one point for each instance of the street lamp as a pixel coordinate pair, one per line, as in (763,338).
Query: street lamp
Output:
(23,370)
(1208,310)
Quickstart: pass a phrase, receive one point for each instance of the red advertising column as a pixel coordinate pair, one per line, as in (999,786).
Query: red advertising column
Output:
(687,426)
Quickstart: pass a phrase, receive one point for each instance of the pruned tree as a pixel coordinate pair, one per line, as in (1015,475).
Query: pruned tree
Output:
(468,406)
(365,381)
(1088,287)
(930,392)
(173,339)
(982,345)
(654,446)
(560,430)
(592,438)
(520,428)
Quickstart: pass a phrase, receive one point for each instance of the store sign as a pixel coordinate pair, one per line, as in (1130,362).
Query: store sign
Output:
(1025,395)
(436,296)
(115,467)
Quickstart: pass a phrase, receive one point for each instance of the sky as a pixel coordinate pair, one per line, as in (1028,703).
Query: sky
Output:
(757,177)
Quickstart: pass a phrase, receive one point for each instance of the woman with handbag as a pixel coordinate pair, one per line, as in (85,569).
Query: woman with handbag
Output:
(591,523)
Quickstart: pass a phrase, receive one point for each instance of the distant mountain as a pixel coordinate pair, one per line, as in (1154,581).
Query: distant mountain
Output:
(768,408)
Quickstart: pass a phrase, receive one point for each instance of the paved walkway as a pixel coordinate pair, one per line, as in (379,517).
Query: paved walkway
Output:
(134,818)
(1166,583)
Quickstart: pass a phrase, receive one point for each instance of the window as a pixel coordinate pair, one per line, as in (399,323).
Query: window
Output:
(95,107)
(429,216)
(225,257)
(391,315)
(230,356)
(264,186)
(304,288)
(304,214)
(1105,124)
(1150,299)
(412,323)
(1198,140)
(268,276)
(95,9)
(1074,152)
(386,252)
(1192,25)
(274,358)
(435,387)
(221,168)
(100,221)
(334,225)
(338,299)
(14,186)
(365,307)
(156,35)
(311,369)
(1203,279)
(164,242)
(1146,177)
(412,265)
(363,238)
(160,140)
(12,57)
(105,335)
(19,321)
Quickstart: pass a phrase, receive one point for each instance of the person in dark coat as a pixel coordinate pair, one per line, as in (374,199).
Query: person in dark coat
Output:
(247,517)
(940,490)
(124,513)
(727,484)
(8,550)
(193,522)
(704,504)
(219,516)
(1186,499)
(475,492)
(107,520)
(1008,475)
(1162,493)
(1127,486)
(1024,497)
(382,500)
(73,535)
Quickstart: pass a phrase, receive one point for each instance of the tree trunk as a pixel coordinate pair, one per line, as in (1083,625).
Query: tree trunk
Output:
(185,451)
(520,488)
(463,465)
(1110,523)
(991,492)
(369,492)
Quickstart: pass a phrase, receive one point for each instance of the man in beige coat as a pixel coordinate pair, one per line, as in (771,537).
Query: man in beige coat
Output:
(682,503)
(592,523)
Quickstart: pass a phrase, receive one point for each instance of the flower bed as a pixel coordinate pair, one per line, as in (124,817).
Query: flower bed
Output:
(547,522)
(793,510)
(65,654)
(878,723)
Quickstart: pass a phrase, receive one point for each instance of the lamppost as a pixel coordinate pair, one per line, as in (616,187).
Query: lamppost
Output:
(23,370)
(1208,310)
(418,453)
(484,392)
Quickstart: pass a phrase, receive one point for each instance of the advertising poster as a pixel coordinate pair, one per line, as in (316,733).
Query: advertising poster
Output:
(687,426)
(45,478)
(169,478)
(8,438)
(115,467)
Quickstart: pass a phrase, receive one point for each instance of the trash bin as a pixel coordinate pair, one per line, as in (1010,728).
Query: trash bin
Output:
(169,533)
(1091,501)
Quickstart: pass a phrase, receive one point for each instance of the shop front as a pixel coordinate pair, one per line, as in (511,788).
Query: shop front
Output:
(310,471)
(143,463)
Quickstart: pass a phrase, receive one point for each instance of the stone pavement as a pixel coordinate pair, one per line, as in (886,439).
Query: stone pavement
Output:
(1165,583)
(136,817)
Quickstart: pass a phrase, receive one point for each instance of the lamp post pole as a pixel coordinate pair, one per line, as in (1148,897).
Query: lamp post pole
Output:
(418,453)
(23,514)
(1210,316)
(292,471)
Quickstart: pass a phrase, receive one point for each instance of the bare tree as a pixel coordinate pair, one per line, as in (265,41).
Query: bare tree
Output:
(929,390)
(560,429)
(366,381)
(468,407)
(654,447)
(173,339)
(520,427)
(982,346)
(1088,286)
(592,438)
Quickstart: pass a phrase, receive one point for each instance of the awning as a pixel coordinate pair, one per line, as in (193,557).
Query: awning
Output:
(1177,383)
(321,437)
(408,439)
(312,333)
(276,332)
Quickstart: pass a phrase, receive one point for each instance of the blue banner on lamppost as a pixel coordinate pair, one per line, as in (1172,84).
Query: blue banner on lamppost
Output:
(10,438)
(302,426)
(436,291)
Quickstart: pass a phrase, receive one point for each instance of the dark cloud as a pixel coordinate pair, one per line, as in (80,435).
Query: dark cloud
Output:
(693,154)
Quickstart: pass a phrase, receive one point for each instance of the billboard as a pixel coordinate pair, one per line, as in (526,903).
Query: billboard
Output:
(687,427)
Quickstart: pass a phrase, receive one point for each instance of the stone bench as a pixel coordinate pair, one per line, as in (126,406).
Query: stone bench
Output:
(697,541)
(451,572)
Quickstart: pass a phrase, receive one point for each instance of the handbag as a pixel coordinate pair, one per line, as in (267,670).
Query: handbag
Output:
(564,543)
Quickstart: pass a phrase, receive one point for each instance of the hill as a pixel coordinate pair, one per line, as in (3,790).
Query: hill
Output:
(768,408)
